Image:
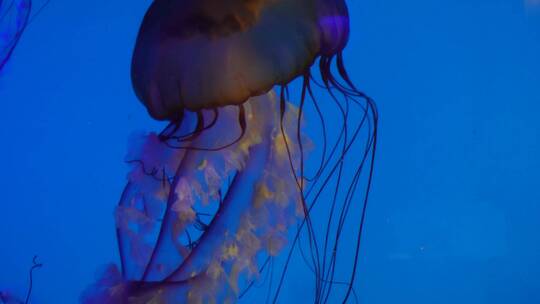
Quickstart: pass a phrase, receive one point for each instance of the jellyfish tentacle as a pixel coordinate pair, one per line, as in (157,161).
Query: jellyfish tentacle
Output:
(370,114)
(325,274)
(209,148)
(299,180)
(344,112)
(328,273)
(368,155)
(198,130)
(35,265)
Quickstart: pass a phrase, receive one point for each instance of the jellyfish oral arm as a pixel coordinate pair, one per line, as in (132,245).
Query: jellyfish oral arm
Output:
(165,257)
(226,222)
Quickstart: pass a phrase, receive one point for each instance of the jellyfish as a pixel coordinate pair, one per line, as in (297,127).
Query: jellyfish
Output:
(223,191)
(14,15)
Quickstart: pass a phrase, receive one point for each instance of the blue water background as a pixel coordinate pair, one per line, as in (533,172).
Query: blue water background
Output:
(454,215)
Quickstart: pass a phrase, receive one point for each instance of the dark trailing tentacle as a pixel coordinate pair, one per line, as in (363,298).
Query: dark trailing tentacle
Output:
(172,127)
(350,92)
(241,122)
(324,135)
(328,277)
(374,113)
(312,240)
(307,218)
(193,134)
(329,281)
(35,265)
(331,168)
(343,134)
(198,130)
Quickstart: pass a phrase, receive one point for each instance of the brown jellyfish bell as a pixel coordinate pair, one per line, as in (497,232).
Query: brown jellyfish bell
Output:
(193,55)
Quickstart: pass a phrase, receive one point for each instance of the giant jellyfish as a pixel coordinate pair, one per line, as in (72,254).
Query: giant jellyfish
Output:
(224,190)
(14,15)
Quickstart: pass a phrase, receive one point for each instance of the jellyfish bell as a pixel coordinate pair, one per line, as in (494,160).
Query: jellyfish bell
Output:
(202,54)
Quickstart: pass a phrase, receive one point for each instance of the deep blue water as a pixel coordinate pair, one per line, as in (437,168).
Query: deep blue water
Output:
(454,215)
